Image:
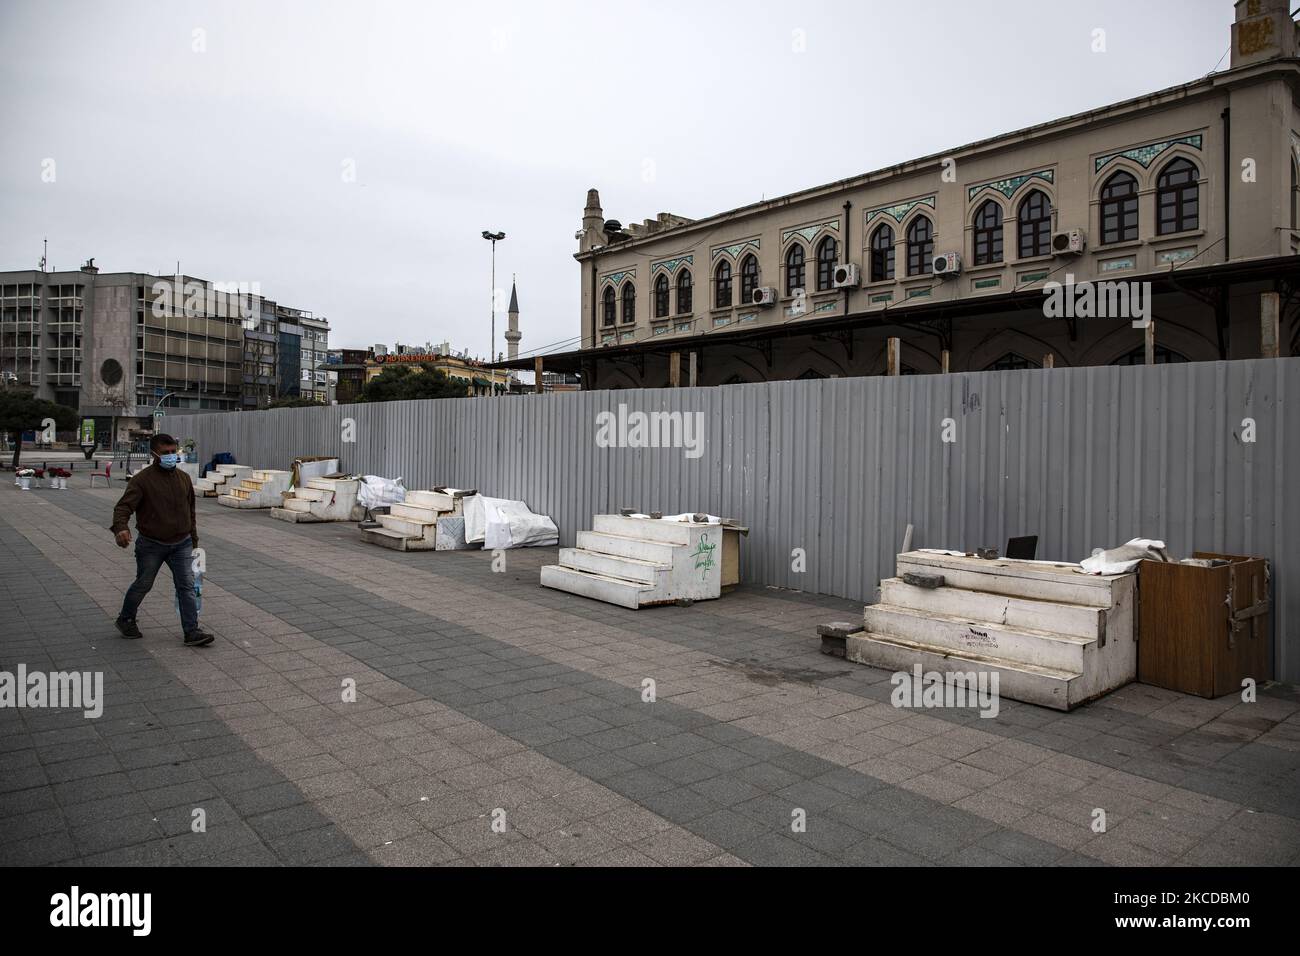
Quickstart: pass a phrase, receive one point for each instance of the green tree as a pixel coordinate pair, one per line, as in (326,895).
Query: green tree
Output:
(21,411)
(399,383)
(290,401)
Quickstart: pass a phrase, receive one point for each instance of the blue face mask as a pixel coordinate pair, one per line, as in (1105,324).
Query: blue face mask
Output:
(169,461)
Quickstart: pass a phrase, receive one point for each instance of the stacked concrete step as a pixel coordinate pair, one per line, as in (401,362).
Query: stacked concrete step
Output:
(320,499)
(633,562)
(216,482)
(415,524)
(1055,637)
(264,488)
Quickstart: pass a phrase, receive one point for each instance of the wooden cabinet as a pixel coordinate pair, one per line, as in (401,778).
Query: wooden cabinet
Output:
(1203,630)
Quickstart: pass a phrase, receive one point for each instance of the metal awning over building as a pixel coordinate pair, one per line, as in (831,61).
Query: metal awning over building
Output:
(1182,279)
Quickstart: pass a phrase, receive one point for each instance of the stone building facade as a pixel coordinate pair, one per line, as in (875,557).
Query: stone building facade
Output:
(1188,194)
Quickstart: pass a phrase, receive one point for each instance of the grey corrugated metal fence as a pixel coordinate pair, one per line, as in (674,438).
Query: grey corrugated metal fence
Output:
(1084,458)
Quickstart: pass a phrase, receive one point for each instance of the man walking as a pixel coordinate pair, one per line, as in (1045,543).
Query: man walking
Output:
(162,499)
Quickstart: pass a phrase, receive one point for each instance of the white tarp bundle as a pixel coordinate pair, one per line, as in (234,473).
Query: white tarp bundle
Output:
(501,523)
(1125,558)
(377,492)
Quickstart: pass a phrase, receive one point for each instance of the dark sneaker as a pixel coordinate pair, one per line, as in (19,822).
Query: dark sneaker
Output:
(128,629)
(198,638)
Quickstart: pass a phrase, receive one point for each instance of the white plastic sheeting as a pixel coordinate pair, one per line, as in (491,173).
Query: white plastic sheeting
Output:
(1125,558)
(378,492)
(502,523)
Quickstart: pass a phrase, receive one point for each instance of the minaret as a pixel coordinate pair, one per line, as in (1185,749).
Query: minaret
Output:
(593,223)
(512,316)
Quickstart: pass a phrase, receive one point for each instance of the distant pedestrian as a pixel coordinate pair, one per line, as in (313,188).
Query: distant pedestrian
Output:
(162,498)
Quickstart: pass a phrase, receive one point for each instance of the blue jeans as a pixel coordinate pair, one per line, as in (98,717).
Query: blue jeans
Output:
(150,555)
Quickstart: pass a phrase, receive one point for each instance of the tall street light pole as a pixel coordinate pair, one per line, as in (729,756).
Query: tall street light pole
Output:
(493,237)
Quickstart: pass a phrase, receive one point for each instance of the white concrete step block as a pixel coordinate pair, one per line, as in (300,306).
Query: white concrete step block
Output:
(1020,645)
(234,471)
(1039,580)
(411,529)
(614,566)
(647,529)
(637,548)
(297,504)
(1073,619)
(1046,687)
(414,513)
(622,593)
(434,500)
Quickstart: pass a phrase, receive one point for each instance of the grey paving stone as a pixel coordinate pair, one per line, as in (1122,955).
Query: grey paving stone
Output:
(679,762)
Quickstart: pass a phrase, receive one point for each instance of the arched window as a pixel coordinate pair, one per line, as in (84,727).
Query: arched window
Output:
(629,302)
(882,254)
(661,296)
(828,252)
(722,285)
(683,291)
(748,278)
(1010,361)
(920,247)
(1119,209)
(988,233)
(1034,225)
(1178,198)
(794,269)
(1163,356)
(608,318)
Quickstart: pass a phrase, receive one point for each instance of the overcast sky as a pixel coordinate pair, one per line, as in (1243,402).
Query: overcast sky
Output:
(227,148)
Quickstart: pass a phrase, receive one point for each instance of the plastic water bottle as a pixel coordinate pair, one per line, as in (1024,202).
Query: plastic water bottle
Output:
(198,594)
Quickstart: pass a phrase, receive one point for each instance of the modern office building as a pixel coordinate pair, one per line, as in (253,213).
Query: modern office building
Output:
(1181,203)
(120,345)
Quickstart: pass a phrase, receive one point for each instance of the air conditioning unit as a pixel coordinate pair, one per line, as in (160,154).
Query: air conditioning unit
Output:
(846,276)
(947,264)
(1069,242)
(764,295)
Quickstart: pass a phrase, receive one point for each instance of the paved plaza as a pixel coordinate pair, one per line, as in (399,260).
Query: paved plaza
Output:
(497,723)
